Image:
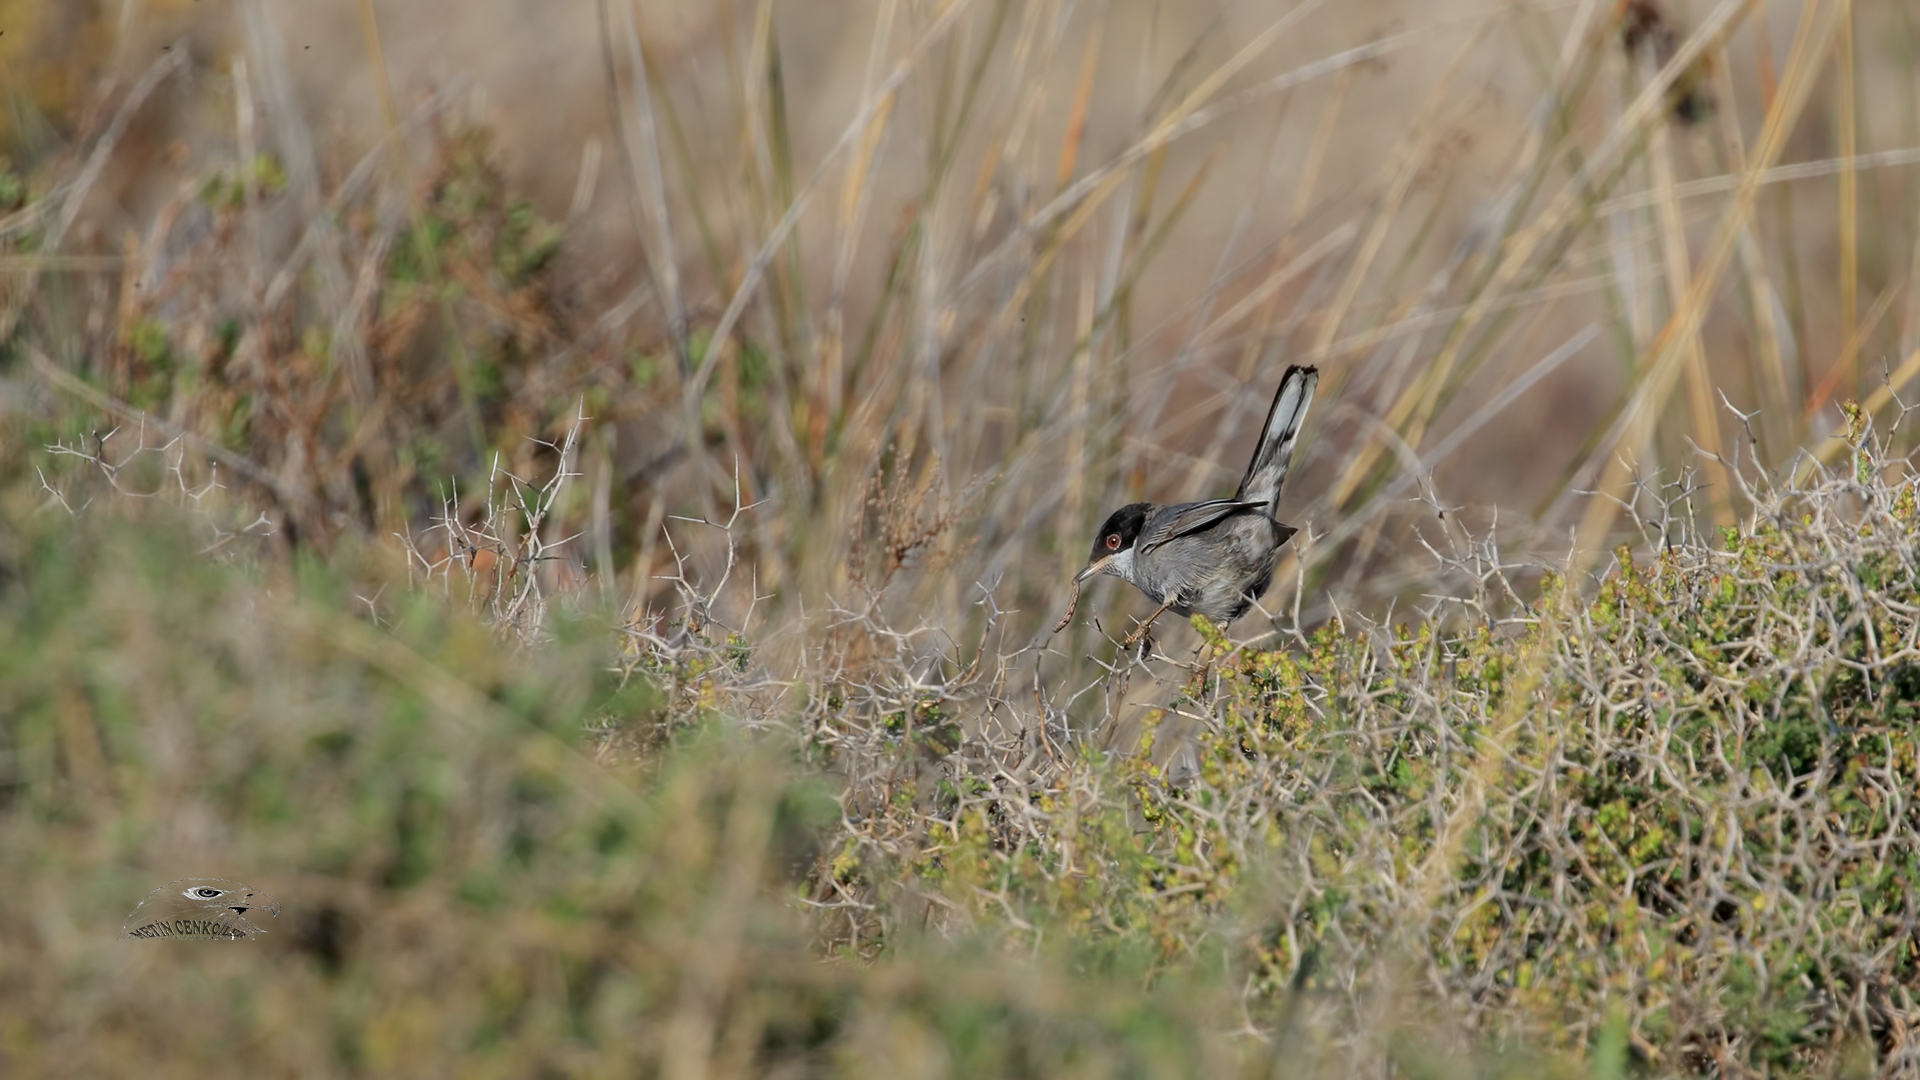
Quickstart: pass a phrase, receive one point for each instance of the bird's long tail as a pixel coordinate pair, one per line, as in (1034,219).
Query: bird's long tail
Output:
(1268,469)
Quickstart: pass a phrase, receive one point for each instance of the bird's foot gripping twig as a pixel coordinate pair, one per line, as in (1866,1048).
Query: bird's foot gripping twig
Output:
(1141,630)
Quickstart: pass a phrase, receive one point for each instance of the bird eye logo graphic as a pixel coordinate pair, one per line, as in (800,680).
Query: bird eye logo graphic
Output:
(200,909)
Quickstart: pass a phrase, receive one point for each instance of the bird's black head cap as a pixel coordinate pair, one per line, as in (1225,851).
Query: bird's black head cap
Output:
(1120,530)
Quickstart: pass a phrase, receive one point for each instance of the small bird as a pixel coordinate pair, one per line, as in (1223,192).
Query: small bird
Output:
(1214,557)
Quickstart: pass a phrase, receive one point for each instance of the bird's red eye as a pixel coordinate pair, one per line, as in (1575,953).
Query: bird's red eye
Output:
(1113,541)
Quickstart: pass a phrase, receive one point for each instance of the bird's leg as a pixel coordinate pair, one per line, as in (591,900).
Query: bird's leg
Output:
(1140,631)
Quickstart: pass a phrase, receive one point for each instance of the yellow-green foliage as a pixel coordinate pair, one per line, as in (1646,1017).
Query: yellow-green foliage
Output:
(1704,821)
(1696,846)
(1694,843)
(466,892)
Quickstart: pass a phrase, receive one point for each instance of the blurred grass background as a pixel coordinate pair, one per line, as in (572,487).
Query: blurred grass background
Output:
(437,323)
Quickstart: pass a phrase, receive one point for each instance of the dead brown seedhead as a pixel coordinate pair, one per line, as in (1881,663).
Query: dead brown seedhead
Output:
(908,522)
(1646,28)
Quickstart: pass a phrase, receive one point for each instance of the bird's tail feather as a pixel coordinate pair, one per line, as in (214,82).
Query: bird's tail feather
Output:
(1268,469)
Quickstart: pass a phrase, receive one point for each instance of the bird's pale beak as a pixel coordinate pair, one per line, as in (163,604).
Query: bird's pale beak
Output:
(1092,568)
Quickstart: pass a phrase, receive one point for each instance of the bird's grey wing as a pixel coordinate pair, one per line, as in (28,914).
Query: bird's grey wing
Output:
(1268,469)
(1187,518)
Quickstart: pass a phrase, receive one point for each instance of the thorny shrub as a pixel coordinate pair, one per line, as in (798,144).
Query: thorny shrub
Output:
(1700,820)
(1695,827)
